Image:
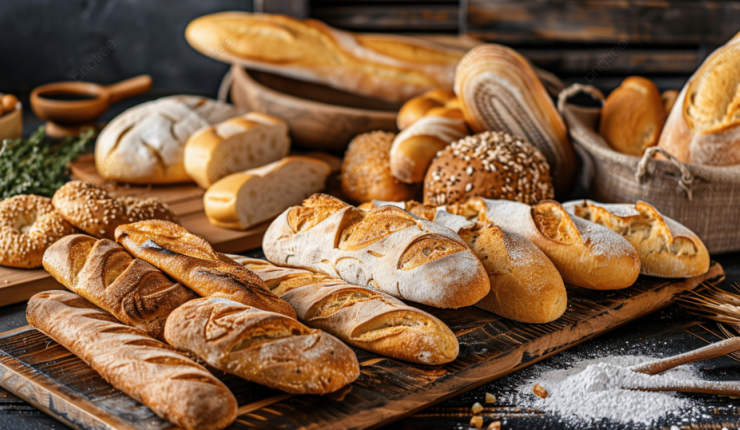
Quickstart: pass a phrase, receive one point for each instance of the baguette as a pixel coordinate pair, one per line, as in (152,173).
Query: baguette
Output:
(667,248)
(191,261)
(174,387)
(586,254)
(359,316)
(132,290)
(386,248)
(263,347)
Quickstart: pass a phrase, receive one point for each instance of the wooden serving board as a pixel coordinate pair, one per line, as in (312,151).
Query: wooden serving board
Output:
(37,369)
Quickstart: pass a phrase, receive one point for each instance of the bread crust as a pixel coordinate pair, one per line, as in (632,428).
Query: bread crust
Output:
(174,387)
(439,100)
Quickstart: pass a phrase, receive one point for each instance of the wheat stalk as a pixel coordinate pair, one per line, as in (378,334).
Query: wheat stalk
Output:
(719,305)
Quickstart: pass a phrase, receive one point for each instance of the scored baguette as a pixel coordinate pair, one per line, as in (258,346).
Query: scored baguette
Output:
(386,248)
(191,261)
(264,347)
(132,290)
(174,387)
(359,316)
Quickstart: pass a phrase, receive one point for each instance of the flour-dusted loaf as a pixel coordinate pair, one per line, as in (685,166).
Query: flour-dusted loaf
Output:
(132,290)
(240,143)
(244,199)
(667,248)
(191,261)
(264,347)
(146,144)
(360,316)
(174,387)
(389,67)
(387,248)
(586,254)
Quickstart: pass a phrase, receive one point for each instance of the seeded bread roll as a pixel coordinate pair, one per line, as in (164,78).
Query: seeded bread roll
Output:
(492,165)
(366,170)
(441,102)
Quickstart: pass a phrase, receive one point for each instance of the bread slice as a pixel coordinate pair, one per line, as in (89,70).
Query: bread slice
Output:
(237,144)
(244,199)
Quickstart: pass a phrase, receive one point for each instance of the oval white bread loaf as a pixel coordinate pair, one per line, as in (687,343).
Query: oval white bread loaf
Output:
(264,347)
(360,316)
(146,144)
(440,101)
(398,253)
(244,199)
(586,254)
(174,387)
(667,248)
(239,143)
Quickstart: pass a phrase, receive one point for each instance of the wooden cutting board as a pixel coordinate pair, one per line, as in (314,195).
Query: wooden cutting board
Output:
(37,369)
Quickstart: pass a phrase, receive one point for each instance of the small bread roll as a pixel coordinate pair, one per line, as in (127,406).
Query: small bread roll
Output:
(441,102)
(632,117)
(669,99)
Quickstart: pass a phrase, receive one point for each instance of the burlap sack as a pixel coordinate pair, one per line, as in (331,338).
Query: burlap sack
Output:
(705,199)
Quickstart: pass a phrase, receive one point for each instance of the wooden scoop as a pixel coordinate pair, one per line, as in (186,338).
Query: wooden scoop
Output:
(714,350)
(67,117)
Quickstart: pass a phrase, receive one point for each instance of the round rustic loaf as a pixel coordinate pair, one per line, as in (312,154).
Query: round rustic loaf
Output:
(491,165)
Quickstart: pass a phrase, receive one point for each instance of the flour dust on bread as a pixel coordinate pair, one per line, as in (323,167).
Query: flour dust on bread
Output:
(360,316)
(264,347)
(667,248)
(386,248)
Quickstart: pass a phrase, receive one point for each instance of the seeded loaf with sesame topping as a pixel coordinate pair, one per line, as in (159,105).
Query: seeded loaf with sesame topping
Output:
(386,248)
(29,224)
(96,212)
(492,165)
(362,317)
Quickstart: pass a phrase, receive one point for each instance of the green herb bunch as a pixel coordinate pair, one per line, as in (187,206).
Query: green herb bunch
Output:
(38,165)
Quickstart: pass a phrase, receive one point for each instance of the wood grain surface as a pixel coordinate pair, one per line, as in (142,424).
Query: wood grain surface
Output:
(35,368)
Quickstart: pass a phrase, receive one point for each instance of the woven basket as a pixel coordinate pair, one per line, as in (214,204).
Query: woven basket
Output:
(705,199)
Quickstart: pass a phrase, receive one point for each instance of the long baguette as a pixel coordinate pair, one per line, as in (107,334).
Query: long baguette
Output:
(170,384)
(190,260)
(264,347)
(360,316)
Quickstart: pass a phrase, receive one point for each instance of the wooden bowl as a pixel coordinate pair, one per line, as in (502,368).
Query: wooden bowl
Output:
(11,124)
(319,117)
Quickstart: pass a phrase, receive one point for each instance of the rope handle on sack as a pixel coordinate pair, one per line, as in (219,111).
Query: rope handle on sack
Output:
(573,90)
(685,181)
(225,87)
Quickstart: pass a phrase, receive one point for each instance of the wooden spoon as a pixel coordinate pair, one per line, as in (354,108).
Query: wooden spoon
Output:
(714,350)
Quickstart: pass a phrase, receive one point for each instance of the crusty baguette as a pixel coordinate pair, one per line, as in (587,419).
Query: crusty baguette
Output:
(268,348)
(134,291)
(244,199)
(586,254)
(398,253)
(360,316)
(667,248)
(191,261)
(170,384)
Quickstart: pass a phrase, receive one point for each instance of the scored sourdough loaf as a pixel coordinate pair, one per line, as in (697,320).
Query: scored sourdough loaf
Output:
(244,199)
(359,316)
(239,143)
(132,290)
(264,347)
(525,285)
(191,261)
(386,248)
(174,387)
(667,248)
(586,254)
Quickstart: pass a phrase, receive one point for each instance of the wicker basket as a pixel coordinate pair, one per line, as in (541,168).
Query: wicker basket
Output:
(705,199)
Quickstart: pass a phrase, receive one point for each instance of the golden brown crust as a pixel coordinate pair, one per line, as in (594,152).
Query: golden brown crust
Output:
(190,260)
(29,224)
(429,102)
(669,99)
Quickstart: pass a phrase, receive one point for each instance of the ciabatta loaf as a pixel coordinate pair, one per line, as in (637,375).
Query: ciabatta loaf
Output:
(268,348)
(387,248)
(667,248)
(237,144)
(389,67)
(586,254)
(244,199)
(174,387)
(191,261)
(360,316)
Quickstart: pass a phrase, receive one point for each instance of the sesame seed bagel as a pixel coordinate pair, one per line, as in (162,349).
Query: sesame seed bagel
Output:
(492,165)
(28,225)
(95,211)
